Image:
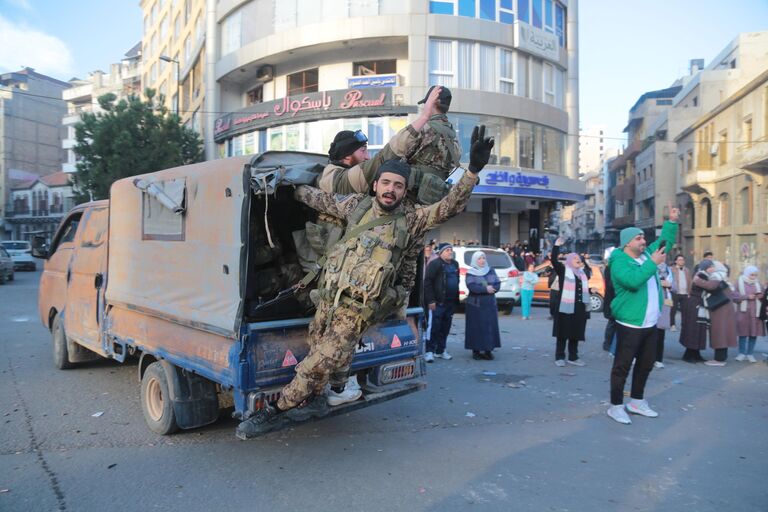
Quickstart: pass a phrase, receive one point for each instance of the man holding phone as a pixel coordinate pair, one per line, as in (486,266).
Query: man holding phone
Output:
(636,306)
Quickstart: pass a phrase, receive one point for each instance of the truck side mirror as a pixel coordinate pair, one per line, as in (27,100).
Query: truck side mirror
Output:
(39,247)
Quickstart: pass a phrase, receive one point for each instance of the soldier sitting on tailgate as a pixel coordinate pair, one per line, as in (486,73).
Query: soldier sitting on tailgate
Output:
(361,284)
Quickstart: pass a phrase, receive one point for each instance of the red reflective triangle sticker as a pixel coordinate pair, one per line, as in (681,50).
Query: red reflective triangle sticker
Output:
(290,359)
(396,342)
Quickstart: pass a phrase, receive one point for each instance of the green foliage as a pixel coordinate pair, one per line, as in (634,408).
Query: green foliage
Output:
(129,137)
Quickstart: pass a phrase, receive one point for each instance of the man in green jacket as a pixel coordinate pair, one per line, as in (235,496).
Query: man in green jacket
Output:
(636,307)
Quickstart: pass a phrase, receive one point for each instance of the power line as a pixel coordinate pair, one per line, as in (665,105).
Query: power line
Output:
(622,139)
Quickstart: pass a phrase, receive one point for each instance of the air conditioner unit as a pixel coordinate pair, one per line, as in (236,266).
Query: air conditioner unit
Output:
(713,149)
(265,73)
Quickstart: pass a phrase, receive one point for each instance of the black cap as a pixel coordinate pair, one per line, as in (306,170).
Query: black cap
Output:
(395,166)
(344,144)
(443,100)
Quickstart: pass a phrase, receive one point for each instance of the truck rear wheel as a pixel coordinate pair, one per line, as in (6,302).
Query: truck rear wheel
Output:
(60,351)
(156,401)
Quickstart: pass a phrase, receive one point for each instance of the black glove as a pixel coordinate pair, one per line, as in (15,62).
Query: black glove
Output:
(480,149)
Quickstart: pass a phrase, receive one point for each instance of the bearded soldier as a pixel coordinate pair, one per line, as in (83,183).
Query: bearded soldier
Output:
(360,284)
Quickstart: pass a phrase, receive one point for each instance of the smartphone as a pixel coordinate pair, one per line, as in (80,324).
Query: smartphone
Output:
(662,245)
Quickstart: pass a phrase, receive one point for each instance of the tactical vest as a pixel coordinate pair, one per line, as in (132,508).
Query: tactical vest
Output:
(361,271)
(433,161)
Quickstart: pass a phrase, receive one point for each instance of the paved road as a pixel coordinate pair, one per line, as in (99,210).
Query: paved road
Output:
(470,442)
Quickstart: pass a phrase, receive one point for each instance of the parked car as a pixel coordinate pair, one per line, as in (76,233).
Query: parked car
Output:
(6,266)
(501,263)
(596,285)
(21,254)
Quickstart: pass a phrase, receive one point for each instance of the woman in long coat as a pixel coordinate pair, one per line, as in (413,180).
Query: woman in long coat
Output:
(573,305)
(693,333)
(722,327)
(748,298)
(481,335)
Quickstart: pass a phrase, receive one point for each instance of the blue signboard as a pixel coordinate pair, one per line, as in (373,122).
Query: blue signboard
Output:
(361,82)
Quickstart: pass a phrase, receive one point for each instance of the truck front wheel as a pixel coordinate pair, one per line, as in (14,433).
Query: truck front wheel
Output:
(156,401)
(60,350)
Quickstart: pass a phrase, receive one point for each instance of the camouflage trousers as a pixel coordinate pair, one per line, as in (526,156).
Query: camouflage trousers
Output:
(333,337)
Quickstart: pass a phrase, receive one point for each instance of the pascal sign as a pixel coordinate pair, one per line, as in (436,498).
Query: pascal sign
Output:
(303,107)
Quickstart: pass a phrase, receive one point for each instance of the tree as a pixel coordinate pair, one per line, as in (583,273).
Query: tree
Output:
(129,137)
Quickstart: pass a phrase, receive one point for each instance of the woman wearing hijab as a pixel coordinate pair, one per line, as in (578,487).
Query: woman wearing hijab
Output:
(572,308)
(693,330)
(722,327)
(748,297)
(482,314)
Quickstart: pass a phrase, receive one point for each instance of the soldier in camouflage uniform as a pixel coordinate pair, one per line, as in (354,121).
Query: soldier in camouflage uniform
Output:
(360,283)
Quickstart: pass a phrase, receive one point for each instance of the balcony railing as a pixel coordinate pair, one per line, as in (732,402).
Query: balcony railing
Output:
(56,209)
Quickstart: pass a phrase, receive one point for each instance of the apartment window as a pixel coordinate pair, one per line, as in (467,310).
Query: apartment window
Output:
(506,12)
(748,131)
(526,144)
(467,8)
(303,82)
(664,102)
(154,14)
(506,71)
(695,101)
(523,65)
(523,11)
(745,199)
(255,95)
(465,60)
(723,211)
(487,68)
(199,28)
(164,27)
(441,62)
(153,73)
(706,205)
(231,33)
(374,67)
(187,11)
(187,50)
(176,27)
(537,13)
(549,84)
(549,16)
(147,24)
(487,9)
(560,23)
(722,149)
(437,7)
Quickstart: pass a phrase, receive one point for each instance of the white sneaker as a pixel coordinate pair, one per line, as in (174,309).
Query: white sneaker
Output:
(560,362)
(577,362)
(641,407)
(658,364)
(617,413)
(712,362)
(740,357)
(751,358)
(348,395)
(352,383)
(429,357)
(445,355)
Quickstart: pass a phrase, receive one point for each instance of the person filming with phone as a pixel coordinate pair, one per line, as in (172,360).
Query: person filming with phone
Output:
(636,306)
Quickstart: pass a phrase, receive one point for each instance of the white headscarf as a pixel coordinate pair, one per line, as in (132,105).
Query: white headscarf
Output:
(749,271)
(745,280)
(475,269)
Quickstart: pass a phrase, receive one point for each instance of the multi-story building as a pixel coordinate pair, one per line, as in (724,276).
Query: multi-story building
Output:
(721,155)
(37,205)
(123,79)
(287,75)
(592,149)
(177,43)
(31,110)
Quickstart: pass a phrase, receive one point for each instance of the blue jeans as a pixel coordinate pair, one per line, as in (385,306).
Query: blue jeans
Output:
(526,298)
(747,345)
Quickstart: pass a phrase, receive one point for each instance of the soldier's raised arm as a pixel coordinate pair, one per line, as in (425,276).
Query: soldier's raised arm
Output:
(456,200)
(332,204)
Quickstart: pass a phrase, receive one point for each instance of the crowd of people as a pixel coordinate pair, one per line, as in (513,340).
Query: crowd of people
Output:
(646,291)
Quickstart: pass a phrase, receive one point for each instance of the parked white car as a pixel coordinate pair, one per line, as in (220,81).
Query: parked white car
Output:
(21,254)
(6,266)
(501,263)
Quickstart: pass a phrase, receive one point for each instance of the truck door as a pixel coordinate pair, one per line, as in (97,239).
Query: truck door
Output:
(87,279)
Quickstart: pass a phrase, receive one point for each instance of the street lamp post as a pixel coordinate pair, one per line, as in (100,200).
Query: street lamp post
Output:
(176,62)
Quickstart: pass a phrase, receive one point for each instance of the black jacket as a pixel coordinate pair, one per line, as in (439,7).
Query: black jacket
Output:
(434,283)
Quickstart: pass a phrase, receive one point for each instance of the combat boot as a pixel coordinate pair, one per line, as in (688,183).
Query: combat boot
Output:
(265,420)
(315,406)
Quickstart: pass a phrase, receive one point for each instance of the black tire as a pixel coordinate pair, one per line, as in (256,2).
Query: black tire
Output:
(156,401)
(597,302)
(60,350)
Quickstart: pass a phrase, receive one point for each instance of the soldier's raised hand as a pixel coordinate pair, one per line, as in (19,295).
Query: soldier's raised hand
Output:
(480,149)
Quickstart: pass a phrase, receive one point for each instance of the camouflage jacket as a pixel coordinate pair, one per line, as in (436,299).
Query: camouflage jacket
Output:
(338,179)
(438,151)
(419,219)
